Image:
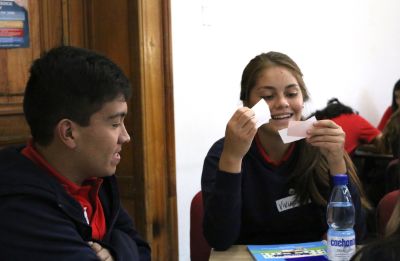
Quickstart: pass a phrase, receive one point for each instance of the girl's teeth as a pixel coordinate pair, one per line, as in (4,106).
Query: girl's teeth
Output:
(281,117)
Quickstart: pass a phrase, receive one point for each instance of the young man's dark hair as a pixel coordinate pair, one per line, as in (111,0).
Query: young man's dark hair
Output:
(69,83)
(58,194)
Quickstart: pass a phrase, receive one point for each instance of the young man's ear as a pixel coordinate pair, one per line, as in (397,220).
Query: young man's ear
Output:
(65,132)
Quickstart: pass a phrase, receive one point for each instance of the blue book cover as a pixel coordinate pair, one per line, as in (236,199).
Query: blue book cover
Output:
(300,251)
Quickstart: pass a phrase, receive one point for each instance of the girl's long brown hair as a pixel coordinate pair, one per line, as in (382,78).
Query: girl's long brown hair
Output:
(310,177)
(391,135)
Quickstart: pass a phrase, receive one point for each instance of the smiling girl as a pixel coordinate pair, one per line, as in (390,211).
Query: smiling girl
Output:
(259,190)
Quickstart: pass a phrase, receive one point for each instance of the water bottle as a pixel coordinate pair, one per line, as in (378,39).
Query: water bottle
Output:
(341,242)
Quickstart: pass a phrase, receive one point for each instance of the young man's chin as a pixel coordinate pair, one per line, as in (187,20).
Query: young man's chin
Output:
(109,172)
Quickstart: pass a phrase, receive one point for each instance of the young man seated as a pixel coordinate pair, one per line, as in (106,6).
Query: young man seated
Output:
(58,194)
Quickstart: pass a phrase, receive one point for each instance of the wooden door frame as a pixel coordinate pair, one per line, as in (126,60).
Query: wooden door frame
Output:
(152,54)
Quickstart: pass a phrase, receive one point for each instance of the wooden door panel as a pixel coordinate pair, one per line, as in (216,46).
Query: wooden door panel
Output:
(44,30)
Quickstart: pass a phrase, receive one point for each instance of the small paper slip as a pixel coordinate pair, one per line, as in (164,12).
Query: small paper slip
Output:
(296,130)
(262,113)
(286,138)
(299,128)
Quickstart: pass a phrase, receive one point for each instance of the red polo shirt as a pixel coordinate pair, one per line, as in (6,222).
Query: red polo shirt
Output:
(358,130)
(87,194)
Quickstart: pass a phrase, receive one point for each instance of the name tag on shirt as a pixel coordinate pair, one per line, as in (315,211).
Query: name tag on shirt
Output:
(287,203)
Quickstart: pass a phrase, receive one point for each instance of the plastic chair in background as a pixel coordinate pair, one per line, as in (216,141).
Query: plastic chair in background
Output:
(385,210)
(199,248)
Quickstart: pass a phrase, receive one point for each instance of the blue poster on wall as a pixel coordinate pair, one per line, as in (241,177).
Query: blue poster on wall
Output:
(14,26)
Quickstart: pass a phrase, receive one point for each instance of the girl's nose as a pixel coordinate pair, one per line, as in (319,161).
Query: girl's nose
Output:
(282,102)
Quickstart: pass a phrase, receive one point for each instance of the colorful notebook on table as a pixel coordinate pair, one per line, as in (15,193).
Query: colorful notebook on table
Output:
(300,251)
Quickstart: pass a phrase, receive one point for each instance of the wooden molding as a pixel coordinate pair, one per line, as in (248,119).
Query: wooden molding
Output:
(153,75)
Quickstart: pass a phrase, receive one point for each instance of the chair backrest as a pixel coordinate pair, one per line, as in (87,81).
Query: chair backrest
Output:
(392,176)
(199,248)
(385,210)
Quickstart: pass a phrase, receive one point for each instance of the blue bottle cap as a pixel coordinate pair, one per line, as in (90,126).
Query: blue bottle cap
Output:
(340,179)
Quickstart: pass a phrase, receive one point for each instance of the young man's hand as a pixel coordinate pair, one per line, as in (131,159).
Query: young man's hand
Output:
(102,253)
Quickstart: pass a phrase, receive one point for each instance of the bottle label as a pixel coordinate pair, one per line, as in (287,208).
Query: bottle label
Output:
(341,245)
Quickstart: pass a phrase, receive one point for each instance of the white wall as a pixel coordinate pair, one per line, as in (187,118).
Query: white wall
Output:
(346,48)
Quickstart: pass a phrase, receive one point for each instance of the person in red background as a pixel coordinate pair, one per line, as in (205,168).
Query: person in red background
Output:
(395,105)
(358,130)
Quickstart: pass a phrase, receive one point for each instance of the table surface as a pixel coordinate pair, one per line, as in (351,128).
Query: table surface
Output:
(235,252)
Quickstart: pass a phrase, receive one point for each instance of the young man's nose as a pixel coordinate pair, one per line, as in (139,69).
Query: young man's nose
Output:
(124,136)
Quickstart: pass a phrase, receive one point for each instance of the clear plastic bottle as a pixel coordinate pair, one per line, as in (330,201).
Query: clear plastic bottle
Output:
(340,216)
